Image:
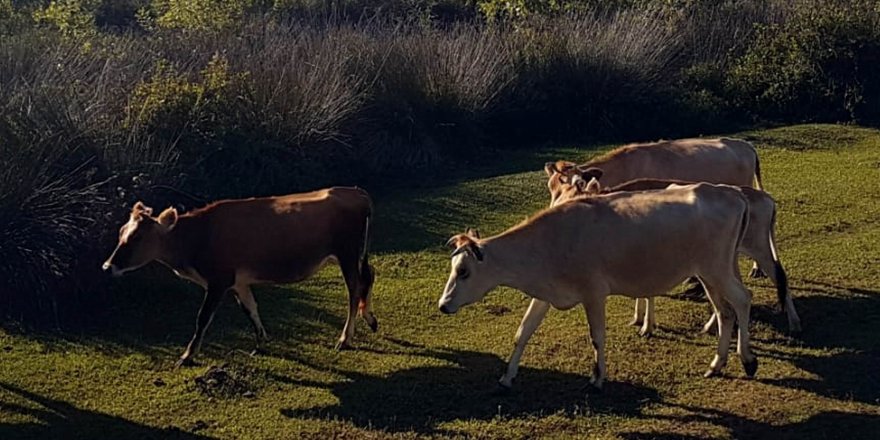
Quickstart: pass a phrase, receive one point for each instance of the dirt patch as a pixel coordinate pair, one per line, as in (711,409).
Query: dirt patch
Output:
(225,382)
(497,309)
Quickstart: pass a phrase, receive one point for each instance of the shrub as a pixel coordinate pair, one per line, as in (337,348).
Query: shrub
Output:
(73,18)
(818,64)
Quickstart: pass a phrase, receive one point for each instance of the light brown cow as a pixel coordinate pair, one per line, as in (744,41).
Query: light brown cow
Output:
(231,244)
(723,160)
(759,242)
(637,244)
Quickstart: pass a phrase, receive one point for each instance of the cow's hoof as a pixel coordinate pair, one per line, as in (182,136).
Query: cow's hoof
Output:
(343,346)
(593,388)
(501,389)
(751,368)
(711,373)
(757,273)
(374,324)
(636,322)
(185,362)
(646,333)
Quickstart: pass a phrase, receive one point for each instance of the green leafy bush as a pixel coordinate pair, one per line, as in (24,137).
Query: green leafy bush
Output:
(820,63)
(73,18)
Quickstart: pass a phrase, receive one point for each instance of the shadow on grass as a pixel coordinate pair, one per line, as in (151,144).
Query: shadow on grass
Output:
(58,419)
(156,317)
(829,424)
(420,399)
(844,320)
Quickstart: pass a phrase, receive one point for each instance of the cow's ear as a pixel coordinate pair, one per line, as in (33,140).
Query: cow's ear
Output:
(593,187)
(168,218)
(456,241)
(550,168)
(473,233)
(140,209)
(588,172)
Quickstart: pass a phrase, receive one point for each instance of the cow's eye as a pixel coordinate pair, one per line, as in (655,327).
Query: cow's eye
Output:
(463,273)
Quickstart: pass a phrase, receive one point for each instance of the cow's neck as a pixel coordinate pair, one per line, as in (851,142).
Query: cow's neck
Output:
(613,172)
(178,245)
(519,264)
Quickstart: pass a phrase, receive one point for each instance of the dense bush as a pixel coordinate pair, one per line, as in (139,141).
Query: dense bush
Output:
(106,102)
(820,63)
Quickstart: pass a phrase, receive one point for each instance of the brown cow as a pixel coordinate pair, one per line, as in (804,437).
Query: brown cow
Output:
(231,244)
(638,244)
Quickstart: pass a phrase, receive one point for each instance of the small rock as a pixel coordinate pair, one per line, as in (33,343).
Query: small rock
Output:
(249,394)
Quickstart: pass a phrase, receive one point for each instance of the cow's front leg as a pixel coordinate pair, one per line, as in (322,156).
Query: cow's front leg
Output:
(531,320)
(596,319)
(213,295)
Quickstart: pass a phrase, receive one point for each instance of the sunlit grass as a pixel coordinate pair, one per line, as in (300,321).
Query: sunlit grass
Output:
(427,374)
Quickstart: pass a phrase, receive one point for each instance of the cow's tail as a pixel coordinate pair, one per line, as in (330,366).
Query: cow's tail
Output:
(367,277)
(744,222)
(782,292)
(758,184)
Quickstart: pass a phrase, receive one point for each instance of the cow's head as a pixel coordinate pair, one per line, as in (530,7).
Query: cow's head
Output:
(560,178)
(140,239)
(470,278)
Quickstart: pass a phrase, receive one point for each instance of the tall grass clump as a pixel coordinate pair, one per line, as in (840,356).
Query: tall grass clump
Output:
(104,103)
(433,93)
(592,75)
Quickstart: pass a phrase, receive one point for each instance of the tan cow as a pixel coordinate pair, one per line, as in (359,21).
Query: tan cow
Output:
(637,244)
(231,244)
(759,242)
(723,160)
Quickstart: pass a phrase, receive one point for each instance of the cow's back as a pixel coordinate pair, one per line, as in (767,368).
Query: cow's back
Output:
(646,242)
(722,161)
(282,238)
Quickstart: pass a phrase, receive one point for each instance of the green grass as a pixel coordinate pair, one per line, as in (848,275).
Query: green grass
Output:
(428,374)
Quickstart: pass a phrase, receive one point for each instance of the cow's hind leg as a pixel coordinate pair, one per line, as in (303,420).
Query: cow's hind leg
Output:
(740,300)
(248,304)
(757,271)
(596,318)
(638,313)
(213,295)
(650,321)
(695,290)
(351,275)
(365,289)
(531,320)
(725,316)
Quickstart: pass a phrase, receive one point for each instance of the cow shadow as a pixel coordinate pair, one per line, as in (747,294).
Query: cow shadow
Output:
(842,320)
(828,424)
(156,316)
(423,398)
(59,419)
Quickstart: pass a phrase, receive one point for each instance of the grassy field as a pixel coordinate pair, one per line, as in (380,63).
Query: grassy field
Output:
(425,374)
